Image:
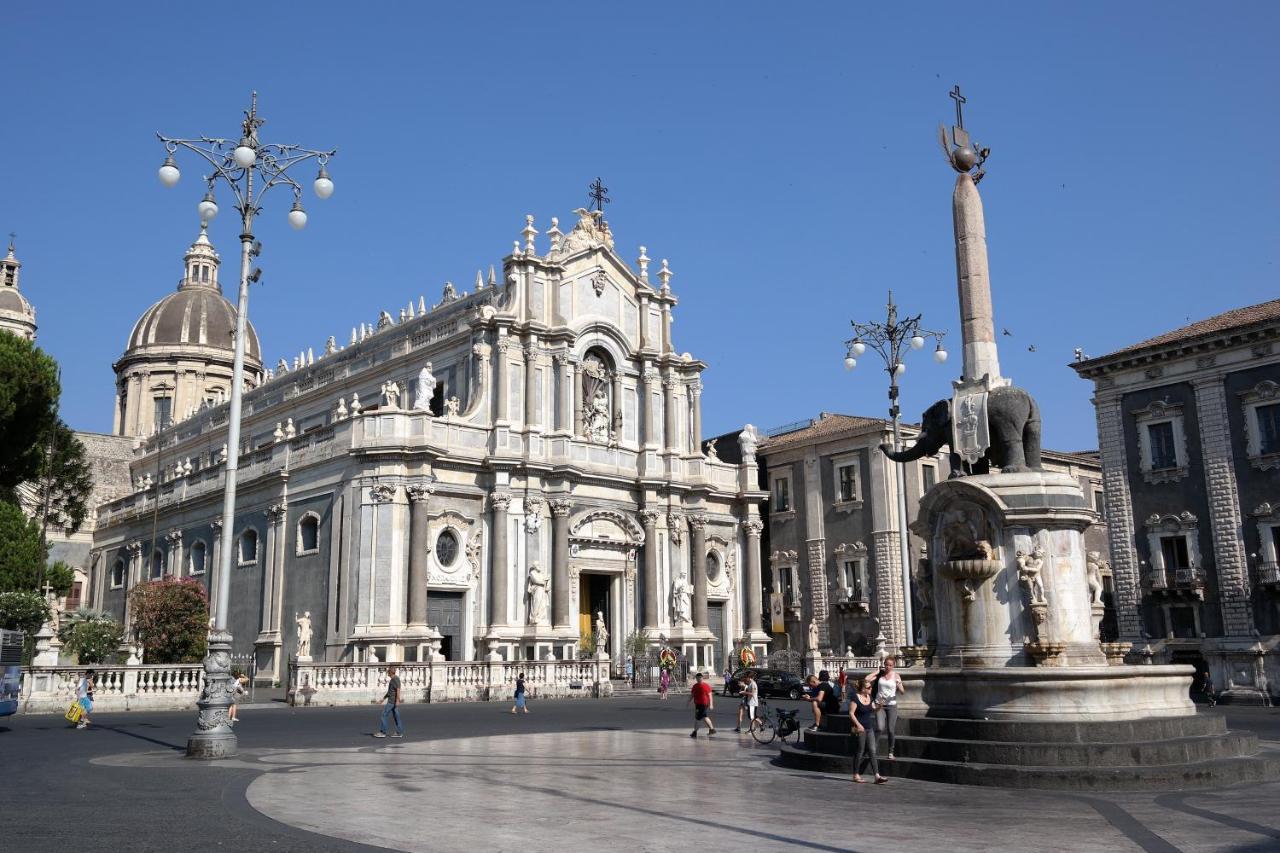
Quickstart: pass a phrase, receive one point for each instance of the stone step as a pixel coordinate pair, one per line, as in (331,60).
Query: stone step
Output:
(1264,767)
(1024,753)
(1110,731)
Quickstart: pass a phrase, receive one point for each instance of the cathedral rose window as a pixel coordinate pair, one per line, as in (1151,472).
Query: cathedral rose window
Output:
(447,547)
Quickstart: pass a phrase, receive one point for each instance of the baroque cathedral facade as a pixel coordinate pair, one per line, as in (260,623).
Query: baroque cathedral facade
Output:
(486,477)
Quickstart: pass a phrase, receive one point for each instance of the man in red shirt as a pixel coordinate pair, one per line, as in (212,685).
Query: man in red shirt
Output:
(703,703)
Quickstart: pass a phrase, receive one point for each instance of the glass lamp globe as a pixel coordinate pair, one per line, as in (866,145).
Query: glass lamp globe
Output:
(940,355)
(324,184)
(298,216)
(858,348)
(850,362)
(899,369)
(244,155)
(208,208)
(917,342)
(169,173)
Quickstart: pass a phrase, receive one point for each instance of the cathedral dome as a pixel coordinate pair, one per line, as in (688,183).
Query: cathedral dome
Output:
(195,317)
(16,313)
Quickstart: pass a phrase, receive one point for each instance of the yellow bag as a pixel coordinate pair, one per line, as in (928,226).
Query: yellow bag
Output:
(75,712)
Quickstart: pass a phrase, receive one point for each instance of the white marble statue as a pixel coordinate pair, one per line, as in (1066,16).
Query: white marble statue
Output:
(391,394)
(539,582)
(451,406)
(341,413)
(304,634)
(426,388)
(355,405)
(602,632)
(290,431)
(813,635)
(1093,567)
(279,432)
(681,600)
(711,453)
(1029,566)
(748,440)
(598,417)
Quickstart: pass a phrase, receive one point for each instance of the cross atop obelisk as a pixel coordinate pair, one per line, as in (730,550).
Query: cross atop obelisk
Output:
(977,325)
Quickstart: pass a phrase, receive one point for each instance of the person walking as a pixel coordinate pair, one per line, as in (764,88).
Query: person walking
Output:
(238,682)
(886,688)
(84,695)
(728,682)
(664,683)
(750,701)
(862,713)
(1207,687)
(391,705)
(701,695)
(521,693)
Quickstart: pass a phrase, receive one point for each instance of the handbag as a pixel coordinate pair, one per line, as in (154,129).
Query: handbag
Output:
(74,712)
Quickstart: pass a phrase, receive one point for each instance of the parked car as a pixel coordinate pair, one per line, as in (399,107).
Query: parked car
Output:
(773,682)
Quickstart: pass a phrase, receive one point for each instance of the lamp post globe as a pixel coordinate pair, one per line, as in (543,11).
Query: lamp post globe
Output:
(207,208)
(940,355)
(858,348)
(899,369)
(168,172)
(244,155)
(850,362)
(298,217)
(323,184)
(917,342)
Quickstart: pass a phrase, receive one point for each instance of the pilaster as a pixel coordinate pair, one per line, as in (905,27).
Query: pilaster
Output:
(1120,527)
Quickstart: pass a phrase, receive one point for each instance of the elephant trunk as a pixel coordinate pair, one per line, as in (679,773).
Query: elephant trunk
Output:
(926,445)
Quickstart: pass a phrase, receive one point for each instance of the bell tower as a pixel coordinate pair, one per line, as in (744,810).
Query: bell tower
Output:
(16,313)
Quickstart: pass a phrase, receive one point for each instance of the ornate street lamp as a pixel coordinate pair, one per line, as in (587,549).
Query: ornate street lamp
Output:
(891,340)
(249,168)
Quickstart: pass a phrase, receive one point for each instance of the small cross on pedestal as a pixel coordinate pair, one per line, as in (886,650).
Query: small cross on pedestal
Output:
(959,136)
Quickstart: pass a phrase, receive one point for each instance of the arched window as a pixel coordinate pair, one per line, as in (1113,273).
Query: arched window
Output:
(157,564)
(117,574)
(249,547)
(308,534)
(447,547)
(197,558)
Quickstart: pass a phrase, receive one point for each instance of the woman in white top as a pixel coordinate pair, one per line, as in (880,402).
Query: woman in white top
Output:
(750,701)
(887,687)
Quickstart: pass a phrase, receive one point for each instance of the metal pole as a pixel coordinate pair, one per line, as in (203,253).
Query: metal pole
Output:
(903,543)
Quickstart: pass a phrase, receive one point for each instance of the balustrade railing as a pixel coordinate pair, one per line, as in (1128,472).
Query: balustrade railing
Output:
(1269,572)
(115,688)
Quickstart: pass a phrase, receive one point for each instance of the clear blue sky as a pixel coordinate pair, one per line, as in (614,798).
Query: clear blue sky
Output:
(782,156)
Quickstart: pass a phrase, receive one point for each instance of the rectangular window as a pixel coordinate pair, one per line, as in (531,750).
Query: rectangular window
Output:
(1174,549)
(1268,428)
(1099,503)
(1163,453)
(929,476)
(853,579)
(848,475)
(781,495)
(73,600)
(163,410)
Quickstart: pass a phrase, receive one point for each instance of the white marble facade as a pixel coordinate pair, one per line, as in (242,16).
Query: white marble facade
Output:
(561,429)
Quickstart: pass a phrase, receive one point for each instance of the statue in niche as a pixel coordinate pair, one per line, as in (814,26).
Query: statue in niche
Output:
(391,394)
(1029,567)
(304,634)
(813,636)
(1093,575)
(597,419)
(539,582)
(426,388)
(964,535)
(681,600)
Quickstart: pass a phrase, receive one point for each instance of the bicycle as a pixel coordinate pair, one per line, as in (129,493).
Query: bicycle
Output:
(778,723)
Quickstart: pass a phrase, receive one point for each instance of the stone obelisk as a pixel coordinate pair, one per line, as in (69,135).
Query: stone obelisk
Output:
(977,328)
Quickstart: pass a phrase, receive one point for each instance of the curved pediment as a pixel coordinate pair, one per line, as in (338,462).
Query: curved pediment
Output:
(606,525)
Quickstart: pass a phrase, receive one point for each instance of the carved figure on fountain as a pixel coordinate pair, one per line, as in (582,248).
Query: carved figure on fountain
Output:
(1012,423)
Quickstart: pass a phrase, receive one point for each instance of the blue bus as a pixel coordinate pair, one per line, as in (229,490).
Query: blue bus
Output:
(10,671)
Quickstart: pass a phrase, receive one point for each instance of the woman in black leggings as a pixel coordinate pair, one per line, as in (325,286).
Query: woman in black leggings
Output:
(862,713)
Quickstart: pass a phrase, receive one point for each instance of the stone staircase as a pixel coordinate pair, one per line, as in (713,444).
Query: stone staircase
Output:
(1166,753)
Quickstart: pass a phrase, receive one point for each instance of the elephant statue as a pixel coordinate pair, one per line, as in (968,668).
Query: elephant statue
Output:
(1014,422)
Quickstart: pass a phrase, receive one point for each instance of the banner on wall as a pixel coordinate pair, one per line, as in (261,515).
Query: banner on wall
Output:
(775,612)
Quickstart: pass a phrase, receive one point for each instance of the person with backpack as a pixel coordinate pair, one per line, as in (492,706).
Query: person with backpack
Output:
(885,689)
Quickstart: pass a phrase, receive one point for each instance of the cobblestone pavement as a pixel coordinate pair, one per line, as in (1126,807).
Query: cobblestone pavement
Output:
(574,775)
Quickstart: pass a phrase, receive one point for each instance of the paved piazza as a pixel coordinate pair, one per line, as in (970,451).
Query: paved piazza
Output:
(647,786)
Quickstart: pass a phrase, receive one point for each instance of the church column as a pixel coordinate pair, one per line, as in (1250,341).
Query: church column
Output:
(274,568)
(575,424)
(695,391)
(644,322)
(670,439)
(498,571)
(419,552)
(698,544)
(650,420)
(532,417)
(560,591)
(503,372)
(649,518)
(751,618)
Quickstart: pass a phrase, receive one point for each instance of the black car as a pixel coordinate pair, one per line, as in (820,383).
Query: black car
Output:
(772,682)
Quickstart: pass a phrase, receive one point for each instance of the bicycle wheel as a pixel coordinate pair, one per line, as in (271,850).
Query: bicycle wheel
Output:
(764,731)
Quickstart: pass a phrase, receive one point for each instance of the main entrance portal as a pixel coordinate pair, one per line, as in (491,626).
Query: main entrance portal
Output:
(715,621)
(593,597)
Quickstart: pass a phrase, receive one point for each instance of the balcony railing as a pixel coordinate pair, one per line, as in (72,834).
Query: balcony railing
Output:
(1269,572)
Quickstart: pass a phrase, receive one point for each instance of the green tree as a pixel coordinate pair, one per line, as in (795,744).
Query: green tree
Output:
(23,611)
(92,640)
(65,480)
(60,577)
(22,547)
(29,392)
(171,619)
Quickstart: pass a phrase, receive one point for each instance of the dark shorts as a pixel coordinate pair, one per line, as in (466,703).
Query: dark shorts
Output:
(700,711)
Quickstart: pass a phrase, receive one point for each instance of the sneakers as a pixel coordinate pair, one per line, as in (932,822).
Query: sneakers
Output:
(880,780)
(814,728)
(738,729)
(694,734)
(398,734)
(82,725)
(379,734)
(710,733)
(889,757)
